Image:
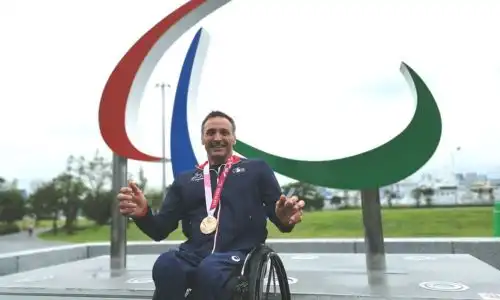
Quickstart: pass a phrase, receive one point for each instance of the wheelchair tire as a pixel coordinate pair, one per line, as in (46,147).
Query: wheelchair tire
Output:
(256,267)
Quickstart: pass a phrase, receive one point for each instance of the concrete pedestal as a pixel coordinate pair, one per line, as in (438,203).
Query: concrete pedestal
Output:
(311,276)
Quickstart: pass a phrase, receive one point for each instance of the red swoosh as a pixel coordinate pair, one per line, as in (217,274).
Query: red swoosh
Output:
(115,95)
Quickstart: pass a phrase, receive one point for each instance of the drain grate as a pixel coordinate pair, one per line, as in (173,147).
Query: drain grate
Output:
(275,282)
(304,256)
(444,286)
(419,258)
(35,278)
(140,280)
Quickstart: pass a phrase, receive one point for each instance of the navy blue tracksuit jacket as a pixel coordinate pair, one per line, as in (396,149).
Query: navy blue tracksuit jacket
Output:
(248,198)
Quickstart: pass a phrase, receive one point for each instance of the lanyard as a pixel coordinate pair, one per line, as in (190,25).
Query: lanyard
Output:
(211,203)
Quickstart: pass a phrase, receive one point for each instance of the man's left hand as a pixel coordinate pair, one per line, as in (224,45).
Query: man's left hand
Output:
(289,210)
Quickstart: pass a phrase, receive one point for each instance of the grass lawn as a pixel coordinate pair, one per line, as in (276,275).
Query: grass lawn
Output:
(424,222)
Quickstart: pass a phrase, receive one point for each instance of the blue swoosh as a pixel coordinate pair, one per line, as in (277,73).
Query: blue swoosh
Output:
(181,149)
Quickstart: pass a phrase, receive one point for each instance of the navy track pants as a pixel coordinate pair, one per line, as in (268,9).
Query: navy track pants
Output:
(176,271)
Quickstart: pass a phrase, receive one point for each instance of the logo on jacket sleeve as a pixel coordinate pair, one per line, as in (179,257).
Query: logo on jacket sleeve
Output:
(197,177)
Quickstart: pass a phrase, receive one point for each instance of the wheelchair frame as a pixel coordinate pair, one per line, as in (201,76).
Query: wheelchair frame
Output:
(247,286)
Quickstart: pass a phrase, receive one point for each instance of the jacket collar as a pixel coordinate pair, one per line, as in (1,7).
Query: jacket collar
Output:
(236,159)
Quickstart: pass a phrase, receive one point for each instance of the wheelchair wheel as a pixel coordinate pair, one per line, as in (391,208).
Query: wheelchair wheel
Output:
(264,262)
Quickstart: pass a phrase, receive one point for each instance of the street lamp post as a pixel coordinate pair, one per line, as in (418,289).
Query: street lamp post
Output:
(453,171)
(164,161)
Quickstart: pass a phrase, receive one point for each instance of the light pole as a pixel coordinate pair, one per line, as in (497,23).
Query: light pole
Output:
(453,171)
(164,161)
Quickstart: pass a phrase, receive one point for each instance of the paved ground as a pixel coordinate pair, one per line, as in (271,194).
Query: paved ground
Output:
(22,241)
(310,276)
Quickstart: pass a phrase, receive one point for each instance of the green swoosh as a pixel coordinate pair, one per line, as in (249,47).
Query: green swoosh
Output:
(390,163)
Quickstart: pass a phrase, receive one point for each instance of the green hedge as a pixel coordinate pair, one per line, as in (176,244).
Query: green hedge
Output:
(9,228)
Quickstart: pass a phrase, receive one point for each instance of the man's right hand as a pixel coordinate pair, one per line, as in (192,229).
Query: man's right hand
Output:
(132,201)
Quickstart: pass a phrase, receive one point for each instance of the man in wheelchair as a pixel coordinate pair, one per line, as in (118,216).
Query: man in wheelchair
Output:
(223,205)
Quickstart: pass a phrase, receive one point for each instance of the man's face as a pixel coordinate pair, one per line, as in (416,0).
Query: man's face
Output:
(218,137)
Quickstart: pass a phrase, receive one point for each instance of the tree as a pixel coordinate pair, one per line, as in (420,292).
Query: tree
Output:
(96,175)
(6,185)
(45,202)
(314,200)
(428,193)
(72,191)
(11,206)
(98,207)
(336,200)
(491,194)
(155,198)
(416,194)
(346,199)
(389,195)
(142,181)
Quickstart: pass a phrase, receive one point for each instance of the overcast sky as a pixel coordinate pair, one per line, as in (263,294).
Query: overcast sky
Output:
(308,79)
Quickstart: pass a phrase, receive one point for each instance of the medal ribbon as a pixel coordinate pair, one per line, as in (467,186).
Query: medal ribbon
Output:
(212,203)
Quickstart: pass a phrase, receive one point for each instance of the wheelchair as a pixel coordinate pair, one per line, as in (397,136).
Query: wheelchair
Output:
(250,283)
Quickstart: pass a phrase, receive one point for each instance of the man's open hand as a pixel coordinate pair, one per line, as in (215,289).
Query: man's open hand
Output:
(132,201)
(289,210)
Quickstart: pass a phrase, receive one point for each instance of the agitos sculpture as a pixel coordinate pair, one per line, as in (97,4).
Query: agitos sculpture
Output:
(384,165)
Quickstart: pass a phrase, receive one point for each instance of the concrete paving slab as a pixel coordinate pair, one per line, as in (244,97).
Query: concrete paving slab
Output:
(311,276)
